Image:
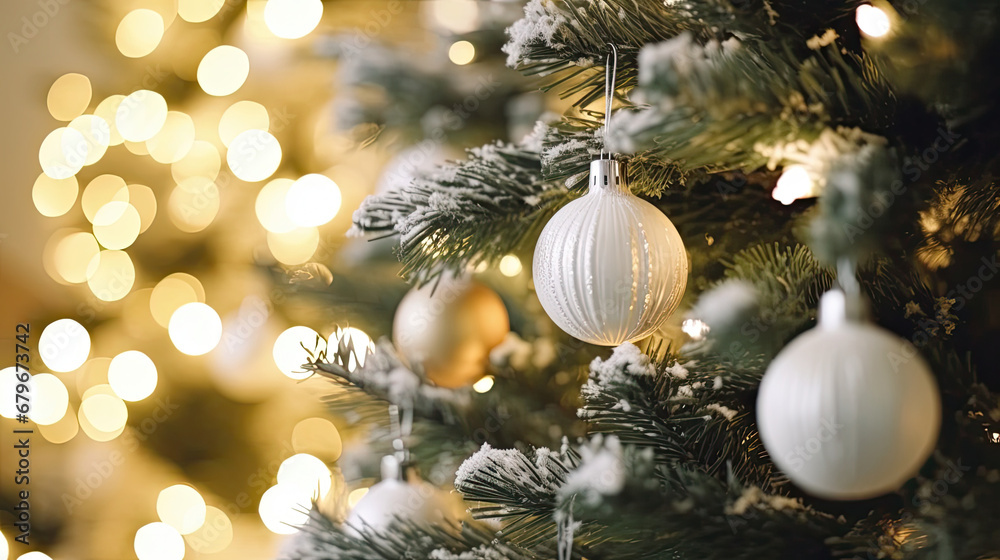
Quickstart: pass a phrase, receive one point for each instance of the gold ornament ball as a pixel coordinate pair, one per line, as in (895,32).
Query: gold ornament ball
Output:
(449,330)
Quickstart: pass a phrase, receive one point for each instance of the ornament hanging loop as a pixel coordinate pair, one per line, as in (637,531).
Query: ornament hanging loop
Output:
(610,76)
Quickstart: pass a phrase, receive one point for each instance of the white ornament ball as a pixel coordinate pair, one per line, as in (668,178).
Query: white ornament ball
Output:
(609,267)
(848,410)
(392,498)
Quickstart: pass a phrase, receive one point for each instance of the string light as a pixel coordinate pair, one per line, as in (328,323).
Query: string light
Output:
(240,117)
(317,436)
(872,21)
(97,132)
(270,206)
(294,247)
(794,183)
(695,328)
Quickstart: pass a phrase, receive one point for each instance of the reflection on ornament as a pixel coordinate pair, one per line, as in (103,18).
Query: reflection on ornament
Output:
(449,328)
(848,410)
(609,267)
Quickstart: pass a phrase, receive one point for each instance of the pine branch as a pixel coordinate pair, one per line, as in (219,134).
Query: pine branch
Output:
(694,414)
(323,539)
(467,213)
(711,106)
(567,40)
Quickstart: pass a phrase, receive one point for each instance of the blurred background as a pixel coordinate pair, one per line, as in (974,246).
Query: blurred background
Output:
(179,181)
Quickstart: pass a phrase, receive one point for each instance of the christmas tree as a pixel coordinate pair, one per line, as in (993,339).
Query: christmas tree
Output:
(823,154)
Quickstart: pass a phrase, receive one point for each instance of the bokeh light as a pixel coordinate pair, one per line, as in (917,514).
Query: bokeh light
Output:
(358,340)
(181,507)
(283,509)
(73,255)
(319,437)
(197,11)
(34,555)
(292,19)
(306,473)
(158,541)
(143,200)
(139,33)
(270,206)
(195,329)
(132,375)
(254,155)
(117,225)
(170,294)
(240,117)
(174,140)
(293,247)
(63,430)
(457,16)
(100,191)
(97,132)
(313,200)
(461,52)
(193,204)
(49,399)
(107,413)
(141,115)
(202,160)
(223,70)
(483,385)
(63,153)
(214,535)
(8,388)
(107,110)
(510,266)
(111,275)
(64,345)
(109,408)
(69,96)
(54,197)
(291,350)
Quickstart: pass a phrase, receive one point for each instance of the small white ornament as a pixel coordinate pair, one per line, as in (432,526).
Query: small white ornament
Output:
(609,267)
(394,498)
(848,410)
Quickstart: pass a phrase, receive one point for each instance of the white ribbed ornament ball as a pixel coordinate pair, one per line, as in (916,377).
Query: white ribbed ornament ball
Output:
(609,267)
(848,410)
(396,498)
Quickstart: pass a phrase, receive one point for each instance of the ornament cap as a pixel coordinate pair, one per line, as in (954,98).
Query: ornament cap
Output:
(837,309)
(608,174)
(392,469)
